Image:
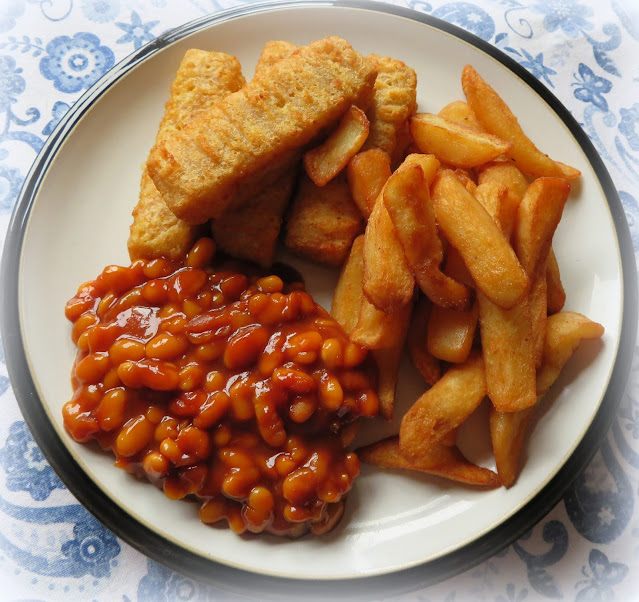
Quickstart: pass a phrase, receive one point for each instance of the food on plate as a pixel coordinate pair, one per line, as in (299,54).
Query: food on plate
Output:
(407,199)
(496,118)
(447,404)
(454,144)
(202,79)
(564,332)
(234,388)
(427,364)
(388,282)
(323,221)
(451,333)
(367,173)
(228,384)
(393,104)
(246,141)
(556,295)
(250,232)
(460,112)
(472,231)
(273,51)
(325,161)
(440,460)
(369,327)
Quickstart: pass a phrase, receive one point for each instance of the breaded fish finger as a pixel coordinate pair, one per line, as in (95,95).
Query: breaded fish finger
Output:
(393,104)
(323,221)
(202,79)
(250,138)
(251,231)
(273,51)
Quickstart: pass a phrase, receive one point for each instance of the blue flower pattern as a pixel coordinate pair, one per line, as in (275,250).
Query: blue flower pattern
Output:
(25,467)
(563,43)
(76,63)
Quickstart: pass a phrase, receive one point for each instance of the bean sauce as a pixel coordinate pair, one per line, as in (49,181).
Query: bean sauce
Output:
(229,387)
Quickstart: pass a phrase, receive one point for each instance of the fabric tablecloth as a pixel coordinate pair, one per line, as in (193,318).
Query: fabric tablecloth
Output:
(585,51)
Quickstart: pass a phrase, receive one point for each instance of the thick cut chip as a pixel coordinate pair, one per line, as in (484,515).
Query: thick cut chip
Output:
(377,329)
(388,360)
(507,432)
(393,104)
(323,221)
(538,301)
(407,200)
(508,348)
(455,144)
(556,292)
(495,117)
(508,175)
(472,231)
(383,332)
(492,196)
(367,173)
(537,218)
(324,162)
(202,79)
(564,332)
(451,333)
(440,460)
(428,365)
(460,112)
(450,401)
(506,334)
(348,295)
(247,140)
(388,281)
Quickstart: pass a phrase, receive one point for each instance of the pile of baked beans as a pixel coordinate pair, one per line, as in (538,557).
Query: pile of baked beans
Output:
(227,386)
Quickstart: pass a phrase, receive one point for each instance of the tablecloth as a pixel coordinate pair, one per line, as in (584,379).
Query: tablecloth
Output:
(585,51)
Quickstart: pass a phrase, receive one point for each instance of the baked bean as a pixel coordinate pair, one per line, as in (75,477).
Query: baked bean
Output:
(213,510)
(84,321)
(299,486)
(166,346)
(353,355)
(112,409)
(244,347)
(330,391)
(332,354)
(302,408)
(124,350)
(296,381)
(185,283)
(238,483)
(134,436)
(190,377)
(155,291)
(201,253)
(92,368)
(155,465)
(270,284)
(213,410)
(233,286)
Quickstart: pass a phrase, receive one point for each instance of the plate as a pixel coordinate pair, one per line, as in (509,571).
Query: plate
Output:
(400,530)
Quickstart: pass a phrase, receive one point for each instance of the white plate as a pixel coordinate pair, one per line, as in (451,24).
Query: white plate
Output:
(73,219)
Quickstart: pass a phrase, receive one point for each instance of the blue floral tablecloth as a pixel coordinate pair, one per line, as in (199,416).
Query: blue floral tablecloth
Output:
(585,51)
